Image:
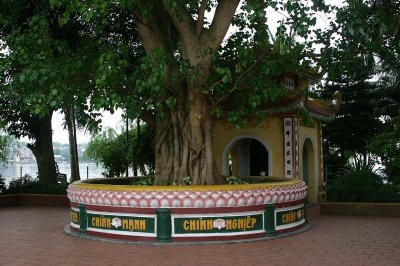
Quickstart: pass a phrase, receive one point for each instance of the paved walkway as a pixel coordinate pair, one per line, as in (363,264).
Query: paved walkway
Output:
(35,236)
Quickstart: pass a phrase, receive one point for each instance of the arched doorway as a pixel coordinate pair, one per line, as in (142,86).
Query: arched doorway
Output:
(246,156)
(308,168)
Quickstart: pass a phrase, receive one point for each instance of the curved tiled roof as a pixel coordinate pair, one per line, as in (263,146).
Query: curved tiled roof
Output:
(318,109)
(296,100)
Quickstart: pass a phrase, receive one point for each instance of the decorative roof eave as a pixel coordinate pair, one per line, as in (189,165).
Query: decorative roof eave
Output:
(325,117)
(299,103)
(314,109)
(326,109)
(312,76)
(320,117)
(292,107)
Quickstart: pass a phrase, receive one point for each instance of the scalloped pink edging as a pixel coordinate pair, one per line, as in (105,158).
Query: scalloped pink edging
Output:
(188,198)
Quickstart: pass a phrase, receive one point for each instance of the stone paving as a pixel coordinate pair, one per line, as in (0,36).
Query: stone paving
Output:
(35,236)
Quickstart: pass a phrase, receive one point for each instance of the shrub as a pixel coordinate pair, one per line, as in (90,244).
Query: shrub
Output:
(110,149)
(361,186)
(149,181)
(145,181)
(28,185)
(2,184)
(233,180)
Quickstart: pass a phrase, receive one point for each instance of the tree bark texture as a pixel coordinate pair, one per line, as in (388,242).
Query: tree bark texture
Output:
(42,149)
(184,145)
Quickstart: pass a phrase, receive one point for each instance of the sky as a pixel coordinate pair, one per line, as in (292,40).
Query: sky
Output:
(60,134)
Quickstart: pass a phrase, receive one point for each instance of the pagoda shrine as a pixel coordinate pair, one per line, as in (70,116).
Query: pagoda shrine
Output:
(286,142)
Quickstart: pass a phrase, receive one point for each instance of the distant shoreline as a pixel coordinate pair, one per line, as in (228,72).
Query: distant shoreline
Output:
(16,169)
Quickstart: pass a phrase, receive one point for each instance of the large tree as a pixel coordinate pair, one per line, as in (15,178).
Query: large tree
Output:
(355,124)
(361,56)
(193,71)
(43,68)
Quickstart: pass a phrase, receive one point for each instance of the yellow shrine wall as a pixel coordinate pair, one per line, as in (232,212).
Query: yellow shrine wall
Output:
(270,133)
(309,138)
(270,130)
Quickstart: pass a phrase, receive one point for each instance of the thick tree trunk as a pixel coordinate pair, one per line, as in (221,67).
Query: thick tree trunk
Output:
(127,144)
(42,149)
(136,149)
(184,145)
(73,149)
(201,150)
(171,150)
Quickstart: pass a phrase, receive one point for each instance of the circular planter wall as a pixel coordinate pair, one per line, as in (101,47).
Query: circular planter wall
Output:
(186,213)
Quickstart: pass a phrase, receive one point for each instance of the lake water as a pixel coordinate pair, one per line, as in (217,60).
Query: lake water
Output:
(14,170)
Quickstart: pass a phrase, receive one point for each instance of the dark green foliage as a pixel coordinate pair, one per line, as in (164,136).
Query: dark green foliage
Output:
(114,181)
(354,124)
(145,181)
(149,180)
(41,70)
(368,30)
(5,142)
(386,146)
(233,180)
(347,136)
(361,186)
(333,163)
(363,64)
(110,150)
(2,185)
(136,181)
(28,185)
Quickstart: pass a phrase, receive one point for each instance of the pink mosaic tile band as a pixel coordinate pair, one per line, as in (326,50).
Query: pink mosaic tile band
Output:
(188,198)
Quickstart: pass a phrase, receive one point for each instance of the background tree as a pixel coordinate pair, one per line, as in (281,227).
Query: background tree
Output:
(36,128)
(110,149)
(355,124)
(43,68)
(386,146)
(5,142)
(13,77)
(367,27)
(362,48)
(113,35)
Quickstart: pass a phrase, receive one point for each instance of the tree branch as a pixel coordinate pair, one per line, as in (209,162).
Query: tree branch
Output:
(221,22)
(200,17)
(149,38)
(225,97)
(148,118)
(184,23)
(155,33)
(235,86)
(154,30)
